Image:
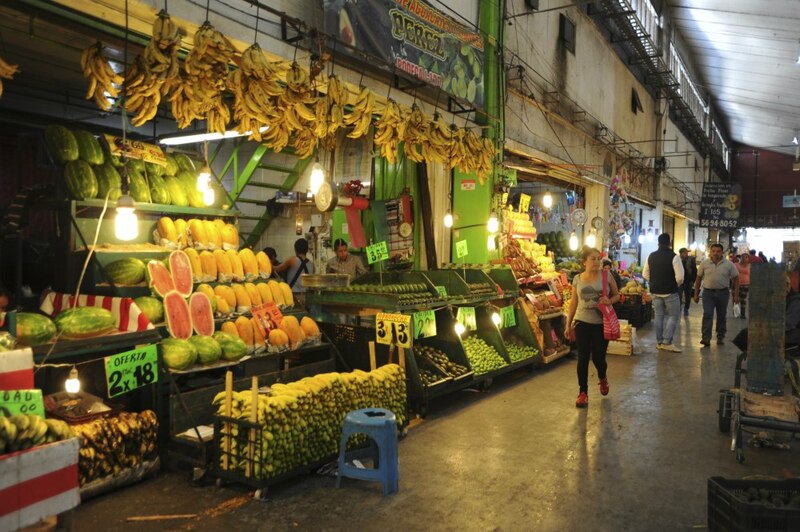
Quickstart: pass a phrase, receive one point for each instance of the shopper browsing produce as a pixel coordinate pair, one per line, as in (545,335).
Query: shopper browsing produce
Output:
(587,294)
(296,266)
(344,262)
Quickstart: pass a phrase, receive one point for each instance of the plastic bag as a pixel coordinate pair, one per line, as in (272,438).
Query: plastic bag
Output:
(737,310)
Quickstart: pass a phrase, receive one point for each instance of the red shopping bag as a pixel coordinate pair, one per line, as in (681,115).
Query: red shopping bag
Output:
(611,330)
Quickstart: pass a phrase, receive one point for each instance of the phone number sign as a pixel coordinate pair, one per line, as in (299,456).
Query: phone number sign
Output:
(130,370)
(720,205)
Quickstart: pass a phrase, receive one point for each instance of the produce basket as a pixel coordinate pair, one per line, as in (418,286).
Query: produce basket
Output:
(735,505)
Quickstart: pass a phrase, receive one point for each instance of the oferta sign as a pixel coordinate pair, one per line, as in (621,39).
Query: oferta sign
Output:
(411,37)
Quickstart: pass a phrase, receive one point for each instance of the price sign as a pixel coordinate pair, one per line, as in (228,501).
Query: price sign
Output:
(466,316)
(442,290)
(377,252)
(393,329)
(268,314)
(524,202)
(134,149)
(130,370)
(508,316)
(21,402)
(461,248)
(424,324)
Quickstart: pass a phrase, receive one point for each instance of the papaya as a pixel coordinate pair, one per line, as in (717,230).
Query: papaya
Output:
(277,292)
(207,290)
(255,295)
(224,268)
(214,238)
(309,327)
(167,232)
(249,263)
(194,261)
(226,293)
(197,230)
(288,297)
(264,265)
(243,302)
(265,293)
(209,265)
(278,338)
(230,237)
(236,265)
(230,328)
(222,306)
(258,336)
(245,328)
(291,327)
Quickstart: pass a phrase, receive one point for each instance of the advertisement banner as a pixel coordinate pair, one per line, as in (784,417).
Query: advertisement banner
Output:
(412,38)
(720,205)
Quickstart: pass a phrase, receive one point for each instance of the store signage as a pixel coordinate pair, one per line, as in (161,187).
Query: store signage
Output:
(130,370)
(393,329)
(442,290)
(412,38)
(466,317)
(720,205)
(508,317)
(791,202)
(524,203)
(424,324)
(377,252)
(268,316)
(134,149)
(461,249)
(13,402)
(468,184)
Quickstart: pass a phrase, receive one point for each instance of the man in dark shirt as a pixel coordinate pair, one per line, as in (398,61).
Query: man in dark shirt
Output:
(689,275)
(664,270)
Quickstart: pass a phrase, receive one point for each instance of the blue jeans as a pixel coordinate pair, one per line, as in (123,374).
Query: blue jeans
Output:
(667,311)
(715,300)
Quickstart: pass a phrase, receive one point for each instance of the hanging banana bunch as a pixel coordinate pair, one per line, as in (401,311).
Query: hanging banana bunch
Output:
(103,81)
(486,159)
(6,72)
(329,113)
(199,96)
(154,73)
(360,116)
(416,133)
(436,147)
(255,88)
(294,114)
(390,128)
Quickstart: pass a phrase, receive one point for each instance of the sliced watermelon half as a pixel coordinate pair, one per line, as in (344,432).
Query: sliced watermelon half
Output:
(202,314)
(159,278)
(179,319)
(181,269)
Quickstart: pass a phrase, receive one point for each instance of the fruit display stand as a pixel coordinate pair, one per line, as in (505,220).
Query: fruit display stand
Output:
(543,310)
(378,292)
(636,308)
(481,286)
(503,276)
(453,285)
(522,345)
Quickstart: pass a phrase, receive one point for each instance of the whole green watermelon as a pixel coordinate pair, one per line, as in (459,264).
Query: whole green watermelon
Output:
(108,181)
(34,329)
(108,157)
(208,349)
(233,347)
(137,186)
(81,181)
(85,322)
(136,165)
(159,192)
(154,169)
(126,271)
(172,165)
(184,162)
(89,149)
(178,354)
(177,194)
(61,144)
(151,307)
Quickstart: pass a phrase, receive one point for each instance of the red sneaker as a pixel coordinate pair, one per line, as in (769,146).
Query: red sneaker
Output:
(583,400)
(603,386)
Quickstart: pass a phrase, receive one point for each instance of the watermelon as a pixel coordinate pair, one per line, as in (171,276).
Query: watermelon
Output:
(177,194)
(159,278)
(179,319)
(135,165)
(153,169)
(181,270)
(125,271)
(172,165)
(137,186)
(208,349)
(233,347)
(107,156)
(159,192)
(202,314)
(81,181)
(34,329)
(108,181)
(85,322)
(151,307)
(89,149)
(184,162)
(61,144)
(178,354)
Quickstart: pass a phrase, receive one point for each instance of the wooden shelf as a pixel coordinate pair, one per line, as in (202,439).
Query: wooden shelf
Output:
(159,208)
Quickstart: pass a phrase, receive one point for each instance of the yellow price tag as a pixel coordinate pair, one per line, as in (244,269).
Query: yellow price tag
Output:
(524,203)
(393,329)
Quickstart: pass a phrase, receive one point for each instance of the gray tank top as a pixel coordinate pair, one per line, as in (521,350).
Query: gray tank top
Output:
(588,296)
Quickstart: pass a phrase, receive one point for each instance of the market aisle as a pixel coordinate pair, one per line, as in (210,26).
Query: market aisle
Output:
(520,457)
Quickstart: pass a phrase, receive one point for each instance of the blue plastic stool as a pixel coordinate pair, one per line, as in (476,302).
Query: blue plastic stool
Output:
(381,427)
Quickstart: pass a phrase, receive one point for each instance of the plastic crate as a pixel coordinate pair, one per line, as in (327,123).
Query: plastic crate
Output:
(729,510)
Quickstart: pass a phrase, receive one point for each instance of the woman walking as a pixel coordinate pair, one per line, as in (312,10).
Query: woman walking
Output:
(743,266)
(587,293)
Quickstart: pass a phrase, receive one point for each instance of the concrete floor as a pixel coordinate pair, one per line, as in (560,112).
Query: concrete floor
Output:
(520,457)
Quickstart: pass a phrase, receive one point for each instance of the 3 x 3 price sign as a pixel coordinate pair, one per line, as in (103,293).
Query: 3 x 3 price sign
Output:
(393,328)
(14,402)
(130,370)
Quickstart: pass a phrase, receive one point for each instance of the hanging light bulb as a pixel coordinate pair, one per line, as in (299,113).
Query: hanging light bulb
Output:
(641,238)
(496,319)
(448,220)
(204,180)
(703,248)
(460,328)
(72,384)
(547,200)
(626,238)
(591,239)
(490,243)
(209,196)
(317,177)
(493,224)
(126,225)
(573,241)
(693,246)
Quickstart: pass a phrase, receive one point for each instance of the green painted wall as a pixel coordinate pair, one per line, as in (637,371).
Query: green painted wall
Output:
(471,202)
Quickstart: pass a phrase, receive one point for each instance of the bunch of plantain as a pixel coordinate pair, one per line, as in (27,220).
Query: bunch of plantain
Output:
(112,444)
(103,81)
(436,147)
(199,96)
(7,71)
(329,113)
(155,72)
(300,422)
(256,89)
(415,134)
(360,116)
(390,129)
(23,431)
(293,113)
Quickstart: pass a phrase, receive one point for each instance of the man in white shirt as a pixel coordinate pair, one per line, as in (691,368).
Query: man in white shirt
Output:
(664,270)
